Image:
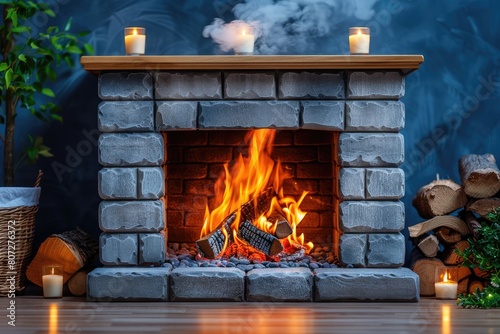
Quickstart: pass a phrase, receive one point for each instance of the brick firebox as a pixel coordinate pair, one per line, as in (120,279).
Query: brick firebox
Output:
(160,116)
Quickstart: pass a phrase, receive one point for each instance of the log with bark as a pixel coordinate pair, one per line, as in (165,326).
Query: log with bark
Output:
(258,239)
(77,284)
(473,223)
(428,244)
(476,284)
(450,257)
(425,268)
(283,227)
(212,244)
(71,249)
(447,236)
(452,222)
(480,175)
(483,206)
(440,197)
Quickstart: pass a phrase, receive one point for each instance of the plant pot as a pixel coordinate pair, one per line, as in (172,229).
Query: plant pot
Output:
(18,208)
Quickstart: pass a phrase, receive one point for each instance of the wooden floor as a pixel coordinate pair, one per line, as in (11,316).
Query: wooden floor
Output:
(74,315)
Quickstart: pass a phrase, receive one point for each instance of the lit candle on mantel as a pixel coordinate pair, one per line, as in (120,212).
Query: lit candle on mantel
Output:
(446,289)
(244,43)
(135,41)
(359,40)
(52,280)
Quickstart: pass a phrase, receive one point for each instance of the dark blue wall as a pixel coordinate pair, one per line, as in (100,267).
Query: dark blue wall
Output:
(451,102)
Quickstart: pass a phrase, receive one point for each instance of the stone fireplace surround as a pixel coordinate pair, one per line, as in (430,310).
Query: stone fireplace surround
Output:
(354,97)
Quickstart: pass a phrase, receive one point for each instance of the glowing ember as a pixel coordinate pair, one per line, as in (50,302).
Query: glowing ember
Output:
(244,181)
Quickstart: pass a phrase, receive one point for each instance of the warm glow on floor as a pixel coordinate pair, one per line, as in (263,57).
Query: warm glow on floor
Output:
(445,319)
(53,318)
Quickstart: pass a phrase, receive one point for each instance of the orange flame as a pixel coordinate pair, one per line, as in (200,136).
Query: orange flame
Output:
(245,179)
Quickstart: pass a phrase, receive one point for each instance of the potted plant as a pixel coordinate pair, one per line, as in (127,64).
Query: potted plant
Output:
(30,56)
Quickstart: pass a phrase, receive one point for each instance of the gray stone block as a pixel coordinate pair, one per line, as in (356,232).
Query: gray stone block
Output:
(125,86)
(119,116)
(151,248)
(207,284)
(371,149)
(352,183)
(249,85)
(323,115)
(176,115)
(375,85)
(342,284)
(118,249)
(311,85)
(249,114)
(128,284)
(372,216)
(385,183)
(117,183)
(279,285)
(132,216)
(385,250)
(150,183)
(131,149)
(188,85)
(387,116)
(353,249)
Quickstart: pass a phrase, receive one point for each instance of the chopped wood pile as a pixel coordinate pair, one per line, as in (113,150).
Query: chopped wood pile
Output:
(437,238)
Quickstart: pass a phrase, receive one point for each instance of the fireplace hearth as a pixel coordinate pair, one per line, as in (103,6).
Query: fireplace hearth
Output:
(169,123)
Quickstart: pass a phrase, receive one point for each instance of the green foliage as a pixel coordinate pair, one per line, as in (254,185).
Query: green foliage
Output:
(28,65)
(484,253)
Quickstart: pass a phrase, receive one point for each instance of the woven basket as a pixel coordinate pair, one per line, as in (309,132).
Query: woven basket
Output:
(17,228)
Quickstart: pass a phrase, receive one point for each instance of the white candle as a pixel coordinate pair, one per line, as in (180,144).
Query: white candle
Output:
(359,42)
(135,41)
(446,289)
(244,43)
(52,285)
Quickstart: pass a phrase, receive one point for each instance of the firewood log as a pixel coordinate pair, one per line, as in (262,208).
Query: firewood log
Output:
(483,206)
(480,175)
(425,268)
(283,227)
(258,239)
(440,197)
(481,273)
(473,223)
(450,258)
(447,236)
(212,244)
(474,285)
(77,284)
(71,249)
(428,244)
(464,275)
(452,222)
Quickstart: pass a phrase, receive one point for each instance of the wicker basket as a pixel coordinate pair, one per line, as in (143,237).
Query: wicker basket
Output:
(17,228)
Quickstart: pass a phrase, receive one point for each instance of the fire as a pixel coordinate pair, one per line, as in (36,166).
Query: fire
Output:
(244,180)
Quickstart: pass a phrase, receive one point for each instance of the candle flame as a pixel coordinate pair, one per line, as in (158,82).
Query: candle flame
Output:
(52,270)
(244,32)
(134,32)
(445,278)
(359,31)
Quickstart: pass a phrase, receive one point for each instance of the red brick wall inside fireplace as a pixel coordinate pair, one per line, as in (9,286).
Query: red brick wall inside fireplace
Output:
(195,160)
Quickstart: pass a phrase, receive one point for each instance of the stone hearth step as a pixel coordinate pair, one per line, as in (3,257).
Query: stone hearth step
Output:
(344,284)
(280,285)
(207,284)
(128,284)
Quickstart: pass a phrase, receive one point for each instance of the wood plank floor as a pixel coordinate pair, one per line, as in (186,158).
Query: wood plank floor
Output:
(74,315)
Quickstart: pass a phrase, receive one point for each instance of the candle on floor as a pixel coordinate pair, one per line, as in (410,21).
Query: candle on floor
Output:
(135,41)
(446,285)
(244,43)
(359,40)
(52,278)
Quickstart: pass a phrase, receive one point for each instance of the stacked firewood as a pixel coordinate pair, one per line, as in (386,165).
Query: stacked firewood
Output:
(437,238)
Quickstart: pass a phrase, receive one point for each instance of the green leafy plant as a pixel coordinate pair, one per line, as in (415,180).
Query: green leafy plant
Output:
(484,253)
(29,62)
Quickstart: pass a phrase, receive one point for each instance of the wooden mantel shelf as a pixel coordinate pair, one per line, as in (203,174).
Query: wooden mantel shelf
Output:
(406,63)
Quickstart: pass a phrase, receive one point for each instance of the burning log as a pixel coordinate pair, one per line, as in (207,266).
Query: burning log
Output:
(212,244)
(283,227)
(258,239)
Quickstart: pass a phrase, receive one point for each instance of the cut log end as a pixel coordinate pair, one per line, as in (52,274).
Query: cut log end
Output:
(440,197)
(480,175)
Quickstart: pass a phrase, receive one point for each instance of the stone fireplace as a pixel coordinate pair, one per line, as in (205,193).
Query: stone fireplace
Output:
(169,123)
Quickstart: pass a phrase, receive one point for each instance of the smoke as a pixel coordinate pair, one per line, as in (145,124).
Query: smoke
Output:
(226,34)
(291,26)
